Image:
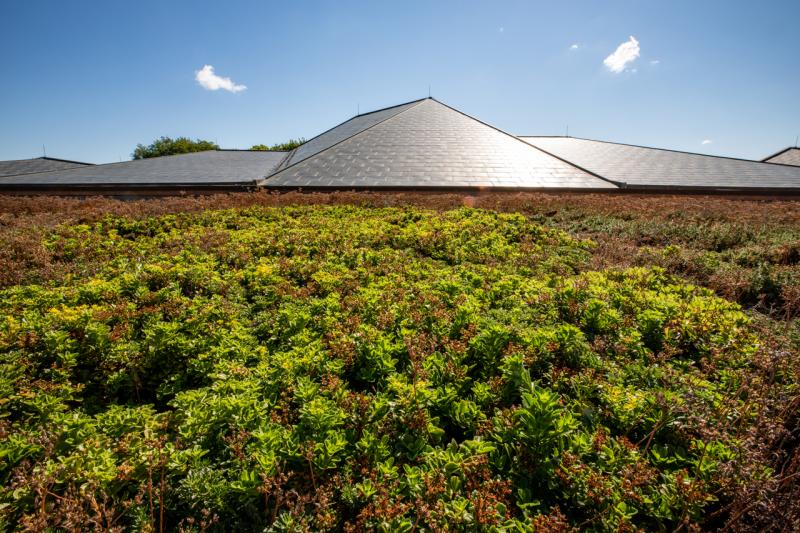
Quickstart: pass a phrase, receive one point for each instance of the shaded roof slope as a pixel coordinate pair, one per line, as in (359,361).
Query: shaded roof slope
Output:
(645,168)
(15,167)
(789,156)
(213,167)
(428,144)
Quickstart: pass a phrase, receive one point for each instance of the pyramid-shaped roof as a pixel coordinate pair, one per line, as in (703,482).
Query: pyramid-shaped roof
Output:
(424,144)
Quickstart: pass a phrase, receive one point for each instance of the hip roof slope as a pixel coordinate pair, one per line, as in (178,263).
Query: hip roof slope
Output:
(18,167)
(199,168)
(789,156)
(343,131)
(642,167)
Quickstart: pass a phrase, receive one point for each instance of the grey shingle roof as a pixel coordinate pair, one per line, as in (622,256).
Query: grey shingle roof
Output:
(214,167)
(427,144)
(16,167)
(789,156)
(417,145)
(640,167)
(344,130)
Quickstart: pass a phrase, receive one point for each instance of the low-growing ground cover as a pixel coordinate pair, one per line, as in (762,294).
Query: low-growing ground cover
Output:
(341,367)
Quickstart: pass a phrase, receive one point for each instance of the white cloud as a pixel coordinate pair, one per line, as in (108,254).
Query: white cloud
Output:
(706,141)
(208,80)
(574,46)
(655,61)
(625,54)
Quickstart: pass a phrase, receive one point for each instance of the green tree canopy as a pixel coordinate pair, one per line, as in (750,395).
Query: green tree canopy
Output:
(169,146)
(291,144)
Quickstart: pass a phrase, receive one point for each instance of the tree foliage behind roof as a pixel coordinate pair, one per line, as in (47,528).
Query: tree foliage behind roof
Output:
(168,146)
(291,144)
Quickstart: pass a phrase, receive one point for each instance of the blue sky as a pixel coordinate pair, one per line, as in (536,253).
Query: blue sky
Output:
(90,80)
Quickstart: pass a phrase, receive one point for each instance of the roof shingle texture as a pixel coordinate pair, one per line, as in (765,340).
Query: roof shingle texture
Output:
(221,167)
(790,156)
(40,164)
(341,132)
(428,144)
(637,166)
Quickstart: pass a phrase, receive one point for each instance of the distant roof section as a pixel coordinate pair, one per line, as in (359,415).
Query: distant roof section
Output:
(213,167)
(425,144)
(16,167)
(788,156)
(652,168)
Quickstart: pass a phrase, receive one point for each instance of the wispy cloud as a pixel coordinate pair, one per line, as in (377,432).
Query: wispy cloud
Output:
(574,46)
(502,29)
(624,55)
(655,61)
(208,80)
(706,141)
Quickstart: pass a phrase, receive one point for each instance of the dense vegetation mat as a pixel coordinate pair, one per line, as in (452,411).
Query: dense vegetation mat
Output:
(397,369)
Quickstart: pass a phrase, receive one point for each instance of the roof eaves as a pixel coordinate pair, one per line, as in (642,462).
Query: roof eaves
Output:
(119,185)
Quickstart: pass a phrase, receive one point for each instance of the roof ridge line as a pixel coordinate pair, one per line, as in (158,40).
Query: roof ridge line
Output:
(80,163)
(278,170)
(776,154)
(242,150)
(292,151)
(570,163)
(58,159)
(660,149)
(286,157)
(27,173)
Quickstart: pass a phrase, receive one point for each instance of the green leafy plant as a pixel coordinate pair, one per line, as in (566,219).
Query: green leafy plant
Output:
(341,367)
(169,146)
(291,144)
